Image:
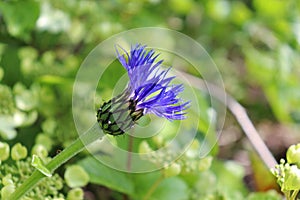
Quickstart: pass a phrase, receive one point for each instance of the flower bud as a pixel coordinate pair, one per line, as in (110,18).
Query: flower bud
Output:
(7,180)
(44,140)
(40,151)
(144,147)
(292,179)
(205,163)
(293,154)
(4,151)
(76,176)
(75,194)
(193,150)
(6,191)
(158,140)
(172,170)
(18,152)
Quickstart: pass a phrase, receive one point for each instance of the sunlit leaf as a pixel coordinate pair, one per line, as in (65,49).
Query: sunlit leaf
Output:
(19,21)
(104,175)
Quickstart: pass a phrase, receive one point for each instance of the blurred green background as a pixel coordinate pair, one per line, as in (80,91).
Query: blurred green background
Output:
(255,44)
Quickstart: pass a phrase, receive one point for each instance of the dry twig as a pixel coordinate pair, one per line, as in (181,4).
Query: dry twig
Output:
(239,113)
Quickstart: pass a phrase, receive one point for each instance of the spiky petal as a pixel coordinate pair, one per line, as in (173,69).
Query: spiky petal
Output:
(149,91)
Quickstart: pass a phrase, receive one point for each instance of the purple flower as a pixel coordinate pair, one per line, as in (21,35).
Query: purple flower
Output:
(149,91)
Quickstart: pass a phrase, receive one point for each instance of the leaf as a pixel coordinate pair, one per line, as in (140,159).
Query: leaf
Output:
(273,9)
(20,17)
(106,176)
(39,165)
(260,170)
(271,195)
(171,189)
(229,177)
(10,62)
(143,183)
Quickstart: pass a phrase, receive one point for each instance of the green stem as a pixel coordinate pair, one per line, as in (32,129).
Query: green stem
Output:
(153,187)
(77,146)
(294,194)
(129,155)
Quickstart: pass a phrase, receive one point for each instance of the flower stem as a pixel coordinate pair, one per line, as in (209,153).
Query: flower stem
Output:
(239,113)
(129,156)
(77,146)
(294,194)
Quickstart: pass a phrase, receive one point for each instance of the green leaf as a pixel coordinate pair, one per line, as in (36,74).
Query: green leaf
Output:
(171,189)
(20,17)
(271,195)
(10,62)
(1,73)
(106,176)
(39,165)
(181,7)
(240,13)
(272,8)
(147,180)
(259,170)
(229,177)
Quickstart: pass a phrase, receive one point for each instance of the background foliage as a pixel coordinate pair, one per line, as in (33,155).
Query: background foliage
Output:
(255,44)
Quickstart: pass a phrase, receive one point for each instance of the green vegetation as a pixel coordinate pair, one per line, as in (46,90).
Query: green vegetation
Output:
(254,43)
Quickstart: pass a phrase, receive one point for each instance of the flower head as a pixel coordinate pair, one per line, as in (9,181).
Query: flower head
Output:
(149,91)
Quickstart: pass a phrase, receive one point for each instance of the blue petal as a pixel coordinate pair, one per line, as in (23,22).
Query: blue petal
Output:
(149,85)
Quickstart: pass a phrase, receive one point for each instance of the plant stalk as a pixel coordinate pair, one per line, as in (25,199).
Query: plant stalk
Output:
(241,116)
(76,147)
(294,194)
